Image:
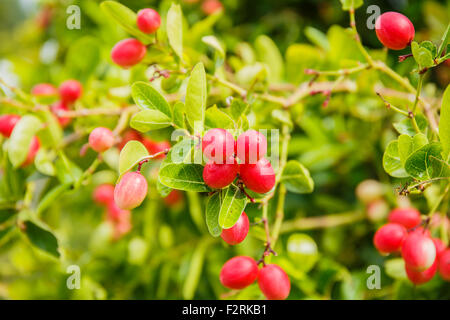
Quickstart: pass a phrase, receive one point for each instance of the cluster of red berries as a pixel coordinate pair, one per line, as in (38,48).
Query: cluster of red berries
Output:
(119,218)
(129,52)
(240,272)
(394,30)
(422,254)
(219,146)
(69,91)
(7,124)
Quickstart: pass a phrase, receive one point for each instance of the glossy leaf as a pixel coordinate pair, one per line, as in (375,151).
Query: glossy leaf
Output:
(147,97)
(20,140)
(196,96)
(407,145)
(296,178)
(147,120)
(174,29)
(232,206)
(424,163)
(130,155)
(212,214)
(405,126)
(41,237)
(444,123)
(391,161)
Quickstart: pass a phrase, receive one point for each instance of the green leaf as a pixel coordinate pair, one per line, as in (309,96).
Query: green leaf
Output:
(20,140)
(147,97)
(300,56)
(147,120)
(405,126)
(233,204)
(391,161)
(179,111)
(66,170)
(269,54)
(296,178)
(174,29)
(349,4)
(429,46)
(317,37)
(212,214)
(130,155)
(162,189)
(422,55)
(51,134)
(424,163)
(195,270)
(41,237)
(445,40)
(283,117)
(44,162)
(81,66)
(238,108)
(182,176)
(216,118)
(407,145)
(126,18)
(444,124)
(51,196)
(196,95)
(214,43)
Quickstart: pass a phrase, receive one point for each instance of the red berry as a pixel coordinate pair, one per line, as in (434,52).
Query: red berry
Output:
(440,246)
(218,145)
(444,265)
(7,124)
(211,6)
(104,194)
(34,148)
(155,147)
(237,233)
(219,176)
(128,52)
(420,277)
(114,213)
(389,238)
(394,30)
(130,191)
(274,282)
(44,90)
(173,198)
(258,177)
(418,251)
(239,272)
(129,135)
(407,217)
(148,20)
(70,91)
(251,146)
(101,139)
(56,108)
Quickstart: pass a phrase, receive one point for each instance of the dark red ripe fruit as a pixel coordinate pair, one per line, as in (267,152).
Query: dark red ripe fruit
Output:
(128,136)
(101,139)
(218,176)
(258,177)
(237,233)
(70,91)
(440,246)
(56,108)
(418,251)
(444,265)
(155,147)
(34,148)
(44,90)
(218,145)
(148,20)
(389,238)
(7,124)
(420,277)
(211,6)
(128,52)
(274,282)
(130,191)
(104,194)
(173,198)
(251,146)
(394,30)
(239,272)
(407,217)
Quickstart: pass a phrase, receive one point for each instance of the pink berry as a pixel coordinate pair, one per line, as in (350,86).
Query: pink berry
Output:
(130,191)
(56,108)
(148,20)
(101,139)
(394,30)
(407,217)
(219,176)
(420,277)
(239,272)
(258,177)
(444,265)
(114,213)
(274,282)
(218,145)
(44,90)
(389,238)
(418,251)
(128,52)
(211,6)
(251,146)
(104,194)
(32,151)
(173,198)
(7,124)
(70,91)
(237,233)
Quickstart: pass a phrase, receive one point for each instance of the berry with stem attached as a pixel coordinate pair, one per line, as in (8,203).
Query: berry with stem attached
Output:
(251,146)
(237,233)
(218,145)
(407,217)
(130,191)
(394,30)
(274,282)
(258,177)
(418,251)
(128,52)
(219,176)
(239,272)
(389,238)
(101,139)
(148,20)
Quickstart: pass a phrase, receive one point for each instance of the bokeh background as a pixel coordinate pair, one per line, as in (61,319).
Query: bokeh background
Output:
(168,254)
